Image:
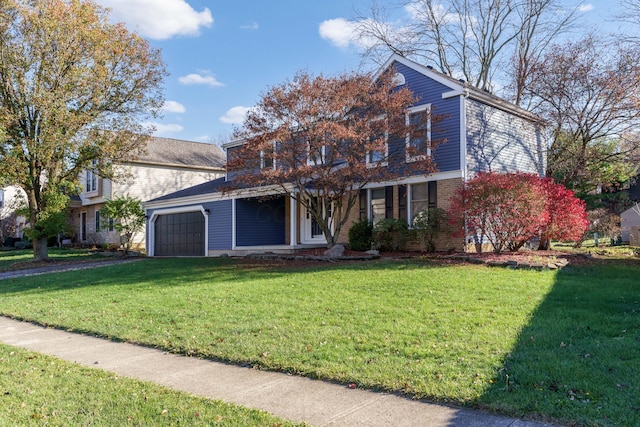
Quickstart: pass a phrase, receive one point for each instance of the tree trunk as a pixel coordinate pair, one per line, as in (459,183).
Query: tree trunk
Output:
(40,250)
(544,244)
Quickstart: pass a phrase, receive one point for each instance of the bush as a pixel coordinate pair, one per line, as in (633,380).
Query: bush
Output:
(390,234)
(427,225)
(361,235)
(23,244)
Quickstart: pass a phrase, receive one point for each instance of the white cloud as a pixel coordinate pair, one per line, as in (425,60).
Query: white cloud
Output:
(585,7)
(159,20)
(235,115)
(339,31)
(173,107)
(163,129)
(253,26)
(200,79)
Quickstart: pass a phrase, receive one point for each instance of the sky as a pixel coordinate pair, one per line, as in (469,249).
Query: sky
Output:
(223,55)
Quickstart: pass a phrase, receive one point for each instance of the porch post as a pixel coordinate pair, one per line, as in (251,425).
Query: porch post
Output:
(293,221)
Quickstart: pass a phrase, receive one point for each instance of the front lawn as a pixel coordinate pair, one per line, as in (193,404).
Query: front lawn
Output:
(560,346)
(23,258)
(38,390)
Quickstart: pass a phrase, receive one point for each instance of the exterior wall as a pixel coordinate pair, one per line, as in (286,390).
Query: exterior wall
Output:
(628,219)
(498,141)
(220,225)
(447,128)
(260,222)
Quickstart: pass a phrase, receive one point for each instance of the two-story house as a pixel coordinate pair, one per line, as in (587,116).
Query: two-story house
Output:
(11,224)
(167,165)
(482,132)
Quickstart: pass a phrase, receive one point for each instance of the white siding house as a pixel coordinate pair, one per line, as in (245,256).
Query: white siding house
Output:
(167,166)
(629,222)
(11,225)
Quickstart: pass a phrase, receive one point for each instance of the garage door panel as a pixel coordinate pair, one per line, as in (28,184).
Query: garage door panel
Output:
(180,234)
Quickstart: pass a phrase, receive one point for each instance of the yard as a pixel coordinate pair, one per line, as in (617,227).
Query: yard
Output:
(551,345)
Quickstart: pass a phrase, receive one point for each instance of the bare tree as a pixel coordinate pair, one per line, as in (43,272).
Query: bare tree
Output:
(472,39)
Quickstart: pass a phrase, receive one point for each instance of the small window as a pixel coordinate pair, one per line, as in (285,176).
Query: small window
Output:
(418,144)
(91,179)
(267,158)
(97,221)
(316,155)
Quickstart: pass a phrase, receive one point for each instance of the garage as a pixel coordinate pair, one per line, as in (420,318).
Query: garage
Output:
(180,234)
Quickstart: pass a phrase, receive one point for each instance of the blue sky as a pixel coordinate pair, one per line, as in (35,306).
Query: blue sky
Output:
(222,55)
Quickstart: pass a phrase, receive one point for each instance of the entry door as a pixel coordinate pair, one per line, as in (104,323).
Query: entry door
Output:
(311,231)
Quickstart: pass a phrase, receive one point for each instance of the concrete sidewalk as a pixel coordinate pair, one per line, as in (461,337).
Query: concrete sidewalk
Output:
(12,274)
(295,398)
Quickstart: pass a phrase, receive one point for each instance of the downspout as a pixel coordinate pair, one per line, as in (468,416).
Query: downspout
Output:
(463,150)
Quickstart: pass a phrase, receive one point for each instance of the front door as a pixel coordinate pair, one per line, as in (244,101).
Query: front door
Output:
(311,231)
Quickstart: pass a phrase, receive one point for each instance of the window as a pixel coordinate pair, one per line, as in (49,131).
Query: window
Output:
(378,204)
(418,143)
(100,219)
(316,155)
(267,159)
(1,198)
(423,196)
(91,179)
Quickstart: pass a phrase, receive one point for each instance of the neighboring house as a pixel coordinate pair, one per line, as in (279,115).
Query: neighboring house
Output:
(482,133)
(11,225)
(167,165)
(630,225)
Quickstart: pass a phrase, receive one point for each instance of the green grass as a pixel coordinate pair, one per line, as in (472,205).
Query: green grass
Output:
(562,346)
(38,390)
(20,259)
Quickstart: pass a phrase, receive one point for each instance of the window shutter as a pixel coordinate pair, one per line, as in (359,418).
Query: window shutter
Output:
(388,202)
(363,204)
(432,192)
(402,201)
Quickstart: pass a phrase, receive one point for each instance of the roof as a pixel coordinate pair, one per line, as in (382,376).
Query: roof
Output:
(197,190)
(460,87)
(177,152)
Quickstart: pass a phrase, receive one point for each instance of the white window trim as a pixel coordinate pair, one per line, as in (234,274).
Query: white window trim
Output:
(323,155)
(413,110)
(263,156)
(410,200)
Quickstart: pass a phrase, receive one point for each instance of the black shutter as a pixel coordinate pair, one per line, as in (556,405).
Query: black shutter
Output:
(432,192)
(402,202)
(363,204)
(388,202)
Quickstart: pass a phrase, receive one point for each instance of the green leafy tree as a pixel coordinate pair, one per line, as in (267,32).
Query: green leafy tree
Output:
(75,93)
(128,218)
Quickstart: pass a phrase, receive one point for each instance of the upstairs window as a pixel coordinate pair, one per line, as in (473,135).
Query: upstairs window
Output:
(418,141)
(316,155)
(379,157)
(267,159)
(91,179)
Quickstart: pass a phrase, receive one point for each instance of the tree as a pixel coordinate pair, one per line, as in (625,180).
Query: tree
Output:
(320,140)
(428,224)
(128,218)
(74,93)
(589,93)
(508,209)
(472,39)
(567,216)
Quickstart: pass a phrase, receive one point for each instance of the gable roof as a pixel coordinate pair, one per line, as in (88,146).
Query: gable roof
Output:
(181,153)
(209,187)
(459,87)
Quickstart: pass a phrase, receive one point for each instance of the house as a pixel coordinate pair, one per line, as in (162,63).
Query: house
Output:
(167,165)
(11,224)
(482,133)
(630,225)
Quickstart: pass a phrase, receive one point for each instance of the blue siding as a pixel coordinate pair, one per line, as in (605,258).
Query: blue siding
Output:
(220,224)
(501,142)
(260,222)
(446,130)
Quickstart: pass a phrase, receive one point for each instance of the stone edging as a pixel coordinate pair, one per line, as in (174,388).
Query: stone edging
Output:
(286,257)
(551,265)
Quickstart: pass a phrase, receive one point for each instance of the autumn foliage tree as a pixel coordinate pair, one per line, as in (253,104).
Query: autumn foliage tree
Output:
(509,209)
(320,140)
(75,92)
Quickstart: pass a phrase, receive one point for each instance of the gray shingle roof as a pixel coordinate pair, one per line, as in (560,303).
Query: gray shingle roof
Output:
(210,187)
(178,152)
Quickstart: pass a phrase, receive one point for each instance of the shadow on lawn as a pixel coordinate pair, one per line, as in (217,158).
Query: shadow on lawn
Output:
(577,360)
